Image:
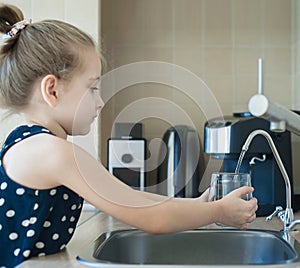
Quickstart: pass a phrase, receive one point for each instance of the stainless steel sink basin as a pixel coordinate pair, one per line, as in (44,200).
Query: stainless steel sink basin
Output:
(196,248)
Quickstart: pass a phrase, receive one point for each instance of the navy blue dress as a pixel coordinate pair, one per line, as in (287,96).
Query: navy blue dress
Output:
(33,222)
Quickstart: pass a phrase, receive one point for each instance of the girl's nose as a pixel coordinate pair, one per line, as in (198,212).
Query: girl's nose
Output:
(99,102)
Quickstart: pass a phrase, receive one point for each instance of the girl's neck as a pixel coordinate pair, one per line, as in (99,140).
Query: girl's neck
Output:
(52,126)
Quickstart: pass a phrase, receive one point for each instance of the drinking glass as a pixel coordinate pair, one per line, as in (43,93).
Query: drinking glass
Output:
(223,183)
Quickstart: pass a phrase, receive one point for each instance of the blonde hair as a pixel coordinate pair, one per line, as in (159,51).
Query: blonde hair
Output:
(41,48)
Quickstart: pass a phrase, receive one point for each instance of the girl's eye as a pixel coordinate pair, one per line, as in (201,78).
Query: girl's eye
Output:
(94,88)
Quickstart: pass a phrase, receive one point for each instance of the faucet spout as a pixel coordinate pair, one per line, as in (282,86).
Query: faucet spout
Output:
(288,216)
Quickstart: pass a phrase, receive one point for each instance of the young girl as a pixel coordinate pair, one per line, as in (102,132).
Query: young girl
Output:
(50,74)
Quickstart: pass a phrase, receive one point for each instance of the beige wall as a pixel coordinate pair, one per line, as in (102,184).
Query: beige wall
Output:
(296,86)
(296,52)
(77,12)
(221,45)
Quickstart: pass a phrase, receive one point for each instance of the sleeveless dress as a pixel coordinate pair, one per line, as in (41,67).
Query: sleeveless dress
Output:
(33,222)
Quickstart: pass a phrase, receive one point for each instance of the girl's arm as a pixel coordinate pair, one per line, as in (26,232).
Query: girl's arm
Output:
(46,161)
(147,211)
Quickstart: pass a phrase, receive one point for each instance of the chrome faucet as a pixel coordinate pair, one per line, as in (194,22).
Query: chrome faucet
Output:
(287,215)
(280,119)
(292,225)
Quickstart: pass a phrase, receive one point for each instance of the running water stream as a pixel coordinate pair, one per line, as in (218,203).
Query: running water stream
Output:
(239,163)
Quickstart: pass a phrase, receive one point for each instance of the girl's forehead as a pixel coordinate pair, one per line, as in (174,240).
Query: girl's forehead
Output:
(92,65)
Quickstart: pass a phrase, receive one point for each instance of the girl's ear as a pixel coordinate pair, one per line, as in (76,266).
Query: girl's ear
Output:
(49,90)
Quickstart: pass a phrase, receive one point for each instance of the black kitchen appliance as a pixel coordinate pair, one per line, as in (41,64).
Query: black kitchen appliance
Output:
(179,174)
(224,138)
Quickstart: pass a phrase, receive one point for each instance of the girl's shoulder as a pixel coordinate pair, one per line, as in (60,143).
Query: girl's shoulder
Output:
(34,158)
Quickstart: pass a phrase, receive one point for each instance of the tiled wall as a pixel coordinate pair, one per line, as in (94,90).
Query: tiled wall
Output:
(218,40)
(76,12)
(220,45)
(296,52)
(296,86)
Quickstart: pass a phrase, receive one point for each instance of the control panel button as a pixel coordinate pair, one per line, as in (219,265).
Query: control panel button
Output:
(127,158)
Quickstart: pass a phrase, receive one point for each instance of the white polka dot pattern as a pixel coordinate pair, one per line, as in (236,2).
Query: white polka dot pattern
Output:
(20,191)
(53,192)
(10,213)
(17,140)
(3,186)
(47,224)
(55,236)
(26,253)
(40,245)
(33,222)
(17,251)
(13,236)
(25,223)
(30,233)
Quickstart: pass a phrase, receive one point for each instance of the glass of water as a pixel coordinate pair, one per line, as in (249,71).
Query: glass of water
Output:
(223,183)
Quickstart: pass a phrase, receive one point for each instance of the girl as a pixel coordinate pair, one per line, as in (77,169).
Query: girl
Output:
(50,74)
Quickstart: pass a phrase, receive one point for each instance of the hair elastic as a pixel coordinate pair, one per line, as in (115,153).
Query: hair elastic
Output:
(16,28)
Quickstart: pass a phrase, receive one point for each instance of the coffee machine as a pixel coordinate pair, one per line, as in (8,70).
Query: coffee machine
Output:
(224,138)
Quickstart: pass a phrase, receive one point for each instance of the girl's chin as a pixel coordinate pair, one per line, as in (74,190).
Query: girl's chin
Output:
(82,128)
(81,131)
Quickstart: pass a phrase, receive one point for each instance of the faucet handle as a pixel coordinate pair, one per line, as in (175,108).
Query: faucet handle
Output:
(278,209)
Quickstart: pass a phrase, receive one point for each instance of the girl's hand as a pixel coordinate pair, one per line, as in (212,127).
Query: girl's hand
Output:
(235,211)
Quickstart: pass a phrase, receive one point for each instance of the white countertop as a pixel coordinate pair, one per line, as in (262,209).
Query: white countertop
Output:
(93,223)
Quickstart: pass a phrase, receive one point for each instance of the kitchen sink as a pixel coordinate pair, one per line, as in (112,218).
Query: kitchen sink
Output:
(195,248)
